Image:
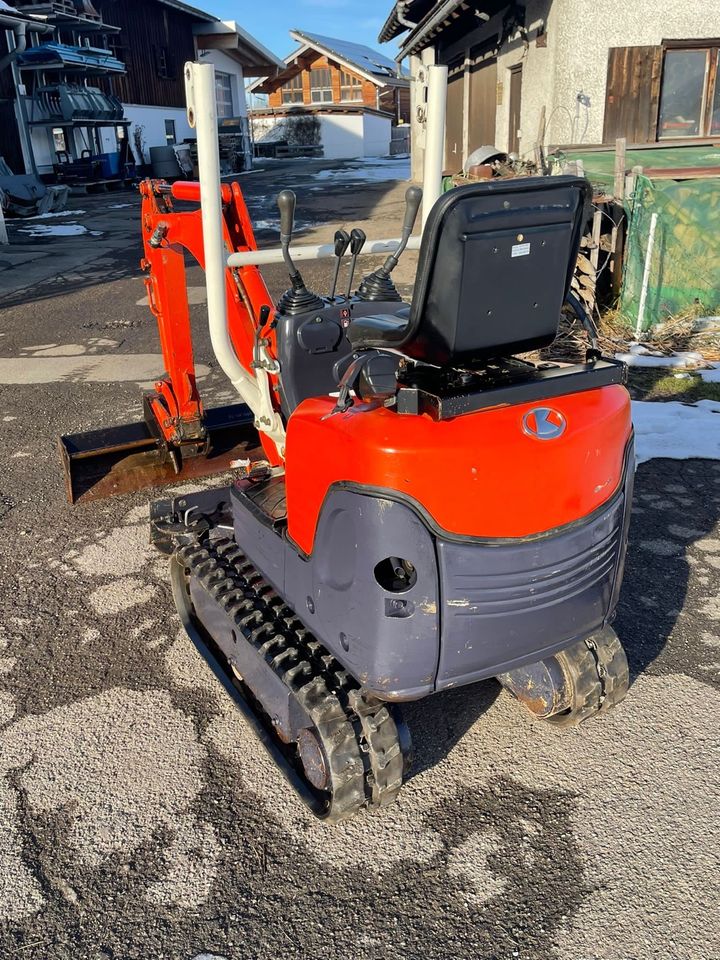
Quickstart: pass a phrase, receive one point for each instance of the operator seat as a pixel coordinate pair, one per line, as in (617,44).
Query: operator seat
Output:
(494,271)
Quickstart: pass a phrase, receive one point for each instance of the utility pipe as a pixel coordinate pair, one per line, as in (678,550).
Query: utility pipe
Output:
(202,116)
(434,137)
(319,251)
(20,29)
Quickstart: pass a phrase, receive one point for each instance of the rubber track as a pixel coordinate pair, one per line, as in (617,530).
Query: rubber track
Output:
(359,733)
(597,669)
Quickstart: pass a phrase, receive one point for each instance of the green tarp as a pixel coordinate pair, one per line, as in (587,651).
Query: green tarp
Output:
(685,261)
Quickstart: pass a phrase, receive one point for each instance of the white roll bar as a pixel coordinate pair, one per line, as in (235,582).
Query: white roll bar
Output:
(435,137)
(320,251)
(253,388)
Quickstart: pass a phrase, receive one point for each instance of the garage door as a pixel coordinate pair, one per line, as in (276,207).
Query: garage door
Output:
(454,118)
(483,104)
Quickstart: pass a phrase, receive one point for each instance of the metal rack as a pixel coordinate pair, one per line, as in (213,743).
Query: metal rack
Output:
(62,99)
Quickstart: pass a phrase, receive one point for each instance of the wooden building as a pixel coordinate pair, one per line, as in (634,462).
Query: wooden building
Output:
(132,51)
(355,94)
(563,72)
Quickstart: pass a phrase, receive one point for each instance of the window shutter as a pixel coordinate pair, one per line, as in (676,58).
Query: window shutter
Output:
(633,94)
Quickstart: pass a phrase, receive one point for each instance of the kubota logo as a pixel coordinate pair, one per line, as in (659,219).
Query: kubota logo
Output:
(544,423)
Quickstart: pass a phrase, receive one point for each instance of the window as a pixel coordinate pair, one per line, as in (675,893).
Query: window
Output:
(292,91)
(350,86)
(320,85)
(170,139)
(223,94)
(58,135)
(164,64)
(689,98)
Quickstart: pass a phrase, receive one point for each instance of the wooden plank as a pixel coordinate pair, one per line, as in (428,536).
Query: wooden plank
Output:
(658,145)
(144,35)
(682,173)
(620,167)
(617,212)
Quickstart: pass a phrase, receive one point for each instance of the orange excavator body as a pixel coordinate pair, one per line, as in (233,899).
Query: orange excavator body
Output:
(492,479)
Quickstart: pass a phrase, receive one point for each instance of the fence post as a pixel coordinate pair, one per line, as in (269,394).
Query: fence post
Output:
(646,275)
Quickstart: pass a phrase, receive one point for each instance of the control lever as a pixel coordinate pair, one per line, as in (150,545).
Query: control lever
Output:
(378,285)
(298,299)
(286,205)
(342,242)
(357,242)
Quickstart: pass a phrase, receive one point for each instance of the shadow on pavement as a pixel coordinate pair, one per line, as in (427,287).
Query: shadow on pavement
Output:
(675,508)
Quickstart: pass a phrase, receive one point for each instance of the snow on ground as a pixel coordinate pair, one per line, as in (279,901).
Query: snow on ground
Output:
(374,169)
(59,230)
(300,226)
(675,430)
(639,355)
(711,375)
(60,213)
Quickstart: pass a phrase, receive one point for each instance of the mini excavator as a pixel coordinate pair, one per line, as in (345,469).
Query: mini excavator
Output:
(413,505)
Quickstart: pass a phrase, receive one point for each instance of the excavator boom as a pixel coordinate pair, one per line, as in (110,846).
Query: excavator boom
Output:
(179,439)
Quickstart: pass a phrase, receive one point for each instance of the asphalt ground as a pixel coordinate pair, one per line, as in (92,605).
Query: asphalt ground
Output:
(140,818)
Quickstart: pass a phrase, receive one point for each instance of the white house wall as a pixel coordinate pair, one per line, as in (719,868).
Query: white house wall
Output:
(341,136)
(152,119)
(538,81)
(376,136)
(579,36)
(588,28)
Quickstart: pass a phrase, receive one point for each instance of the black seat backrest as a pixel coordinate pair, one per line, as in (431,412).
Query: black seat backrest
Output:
(495,266)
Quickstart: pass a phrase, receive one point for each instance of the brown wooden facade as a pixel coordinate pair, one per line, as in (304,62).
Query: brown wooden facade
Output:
(388,99)
(155,43)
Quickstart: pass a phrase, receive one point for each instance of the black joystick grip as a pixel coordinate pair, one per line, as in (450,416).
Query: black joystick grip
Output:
(342,242)
(357,240)
(413,198)
(286,204)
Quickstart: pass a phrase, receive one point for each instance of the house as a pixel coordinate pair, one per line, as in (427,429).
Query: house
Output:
(339,97)
(109,81)
(565,72)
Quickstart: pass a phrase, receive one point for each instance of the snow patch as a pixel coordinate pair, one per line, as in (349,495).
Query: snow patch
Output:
(712,374)
(61,230)
(639,355)
(373,169)
(59,213)
(676,431)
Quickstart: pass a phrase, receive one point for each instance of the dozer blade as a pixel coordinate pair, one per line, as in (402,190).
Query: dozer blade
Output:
(115,460)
